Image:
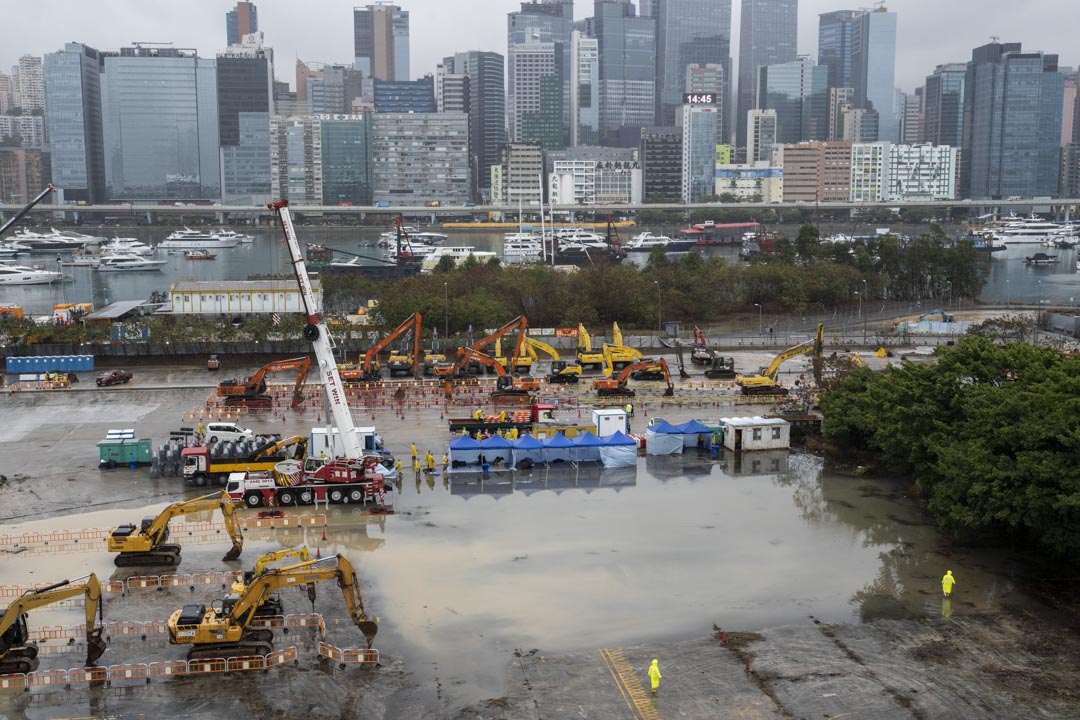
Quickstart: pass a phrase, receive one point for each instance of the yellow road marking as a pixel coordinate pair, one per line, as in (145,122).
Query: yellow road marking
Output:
(622,672)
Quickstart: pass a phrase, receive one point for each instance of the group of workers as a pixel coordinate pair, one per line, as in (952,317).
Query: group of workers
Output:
(479,415)
(429,461)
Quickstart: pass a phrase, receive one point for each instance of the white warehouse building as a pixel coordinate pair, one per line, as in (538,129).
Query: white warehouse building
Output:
(886,172)
(238,297)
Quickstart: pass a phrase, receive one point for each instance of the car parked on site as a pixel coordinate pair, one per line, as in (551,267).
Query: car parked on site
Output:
(114,377)
(222,431)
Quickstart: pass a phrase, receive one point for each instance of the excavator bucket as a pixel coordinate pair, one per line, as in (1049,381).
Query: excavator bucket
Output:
(670,392)
(368,628)
(234,553)
(95,647)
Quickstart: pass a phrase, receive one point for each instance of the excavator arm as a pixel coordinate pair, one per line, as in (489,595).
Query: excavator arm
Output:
(147,545)
(520,323)
(255,386)
(297,553)
(765,380)
(297,441)
(14,651)
(584,342)
(617,385)
(413,322)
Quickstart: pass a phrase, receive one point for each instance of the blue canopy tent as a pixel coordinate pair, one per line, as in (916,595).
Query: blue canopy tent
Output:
(497,452)
(558,448)
(663,439)
(527,448)
(464,454)
(618,450)
(693,430)
(587,447)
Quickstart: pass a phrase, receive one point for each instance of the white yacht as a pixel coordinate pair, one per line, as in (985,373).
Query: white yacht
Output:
(431,238)
(578,235)
(22,275)
(227,234)
(460,254)
(128,263)
(188,239)
(126,246)
(646,241)
(9,251)
(525,250)
(1030,230)
(413,249)
(392,233)
(36,242)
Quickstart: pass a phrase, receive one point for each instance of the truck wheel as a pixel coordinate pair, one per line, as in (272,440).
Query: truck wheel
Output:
(356,496)
(306,497)
(253,500)
(200,479)
(337,496)
(213,439)
(286,498)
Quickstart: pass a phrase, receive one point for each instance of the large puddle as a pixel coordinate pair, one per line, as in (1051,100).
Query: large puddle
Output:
(470,568)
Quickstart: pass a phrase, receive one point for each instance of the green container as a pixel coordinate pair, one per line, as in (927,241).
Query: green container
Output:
(124,452)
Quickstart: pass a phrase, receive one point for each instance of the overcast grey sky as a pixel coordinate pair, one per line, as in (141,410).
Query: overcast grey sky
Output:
(929,32)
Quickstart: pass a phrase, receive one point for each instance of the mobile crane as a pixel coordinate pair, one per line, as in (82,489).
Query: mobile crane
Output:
(561,370)
(617,385)
(621,355)
(271,605)
(764,383)
(220,633)
(252,392)
(145,544)
(368,368)
(25,209)
(17,653)
(202,467)
(587,357)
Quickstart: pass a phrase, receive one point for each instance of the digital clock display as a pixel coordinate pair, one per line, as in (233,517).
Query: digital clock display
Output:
(699,99)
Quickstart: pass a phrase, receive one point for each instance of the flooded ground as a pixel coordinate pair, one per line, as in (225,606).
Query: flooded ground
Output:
(489,589)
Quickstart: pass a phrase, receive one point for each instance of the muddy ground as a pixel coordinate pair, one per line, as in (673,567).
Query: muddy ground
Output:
(548,597)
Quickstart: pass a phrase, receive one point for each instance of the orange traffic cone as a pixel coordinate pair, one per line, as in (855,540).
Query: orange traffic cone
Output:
(318,552)
(324,535)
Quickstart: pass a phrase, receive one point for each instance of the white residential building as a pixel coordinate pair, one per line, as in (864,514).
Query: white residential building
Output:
(591,175)
(869,172)
(31,84)
(922,172)
(761,129)
(30,129)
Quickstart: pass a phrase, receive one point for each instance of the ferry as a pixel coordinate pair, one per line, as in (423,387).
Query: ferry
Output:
(188,239)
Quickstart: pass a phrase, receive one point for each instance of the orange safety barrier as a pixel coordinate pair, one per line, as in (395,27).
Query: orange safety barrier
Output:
(207,666)
(144,582)
(254,662)
(184,580)
(349,656)
(16,681)
(45,678)
(136,671)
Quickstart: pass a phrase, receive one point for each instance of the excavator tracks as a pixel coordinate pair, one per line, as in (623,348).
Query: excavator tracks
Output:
(20,660)
(244,648)
(163,556)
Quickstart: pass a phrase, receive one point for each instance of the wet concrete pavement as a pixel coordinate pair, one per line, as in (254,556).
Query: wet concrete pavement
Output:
(496,598)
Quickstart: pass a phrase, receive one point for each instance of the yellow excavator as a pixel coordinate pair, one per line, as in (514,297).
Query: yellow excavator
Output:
(587,357)
(272,604)
(17,653)
(145,544)
(621,355)
(764,383)
(561,370)
(522,362)
(219,633)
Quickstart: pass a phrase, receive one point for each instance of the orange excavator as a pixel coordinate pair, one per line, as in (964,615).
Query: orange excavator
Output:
(505,386)
(368,369)
(252,392)
(521,324)
(647,369)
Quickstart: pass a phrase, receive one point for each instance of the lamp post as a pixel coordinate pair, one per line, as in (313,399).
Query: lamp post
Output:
(866,292)
(659,308)
(758,306)
(1038,314)
(446,311)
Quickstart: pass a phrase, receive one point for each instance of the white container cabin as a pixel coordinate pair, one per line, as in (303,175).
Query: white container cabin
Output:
(756,433)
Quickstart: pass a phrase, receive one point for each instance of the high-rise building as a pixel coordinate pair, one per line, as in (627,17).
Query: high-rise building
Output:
(245,101)
(817,171)
(798,92)
(835,37)
(1012,123)
(1069,105)
(486,106)
(594,175)
(26,130)
(943,113)
(296,172)
(841,99)
(710,79)
(405,96)
(346,145)
(585,90)
(540,21)
(627,93)
(873,61)
(160,125)
(1070,171)
(690,32)
(381,41)
(767,35)
(870,163)
(328,89)
(911,117)
(762,131)
(750,182)
(518,178)
(1076,113)
(661,164)
(536,107)
(860,125)
(922,172)
(451,91)
(24,173)
(7,93)
(240,21)
(73,110)
(31,85)
(699,124)
(420,157)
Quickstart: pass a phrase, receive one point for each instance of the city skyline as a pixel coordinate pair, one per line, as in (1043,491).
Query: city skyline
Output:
(928,33)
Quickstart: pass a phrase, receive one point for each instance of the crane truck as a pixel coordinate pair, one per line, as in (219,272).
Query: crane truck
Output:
(220,633)
(146,544)
(17,653)
(764,383)
(252,391)
(202,468)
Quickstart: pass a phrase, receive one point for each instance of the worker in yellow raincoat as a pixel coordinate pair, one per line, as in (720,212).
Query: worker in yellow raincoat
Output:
(429,459)
(479,414)
(947,583)
(502,416)
(654,676)
(412,449)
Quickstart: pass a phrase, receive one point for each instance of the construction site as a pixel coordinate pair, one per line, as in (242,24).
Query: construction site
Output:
(501,530)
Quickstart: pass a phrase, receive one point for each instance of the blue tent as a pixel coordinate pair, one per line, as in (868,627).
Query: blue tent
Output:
(464,442)
(496,451)
(665,428)
(558,448)
(663,439)
(691,431)
(618,450)
(465,454)
(587,447)
(617,438)
(528,448)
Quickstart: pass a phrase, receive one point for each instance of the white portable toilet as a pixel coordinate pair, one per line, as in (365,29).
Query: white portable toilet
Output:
(609,421)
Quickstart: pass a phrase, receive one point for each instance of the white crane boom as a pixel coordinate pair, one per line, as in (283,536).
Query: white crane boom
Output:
(316,333)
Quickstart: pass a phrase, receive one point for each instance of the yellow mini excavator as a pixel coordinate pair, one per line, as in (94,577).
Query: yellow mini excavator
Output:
(220,633)
(17,653)
(145,544)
